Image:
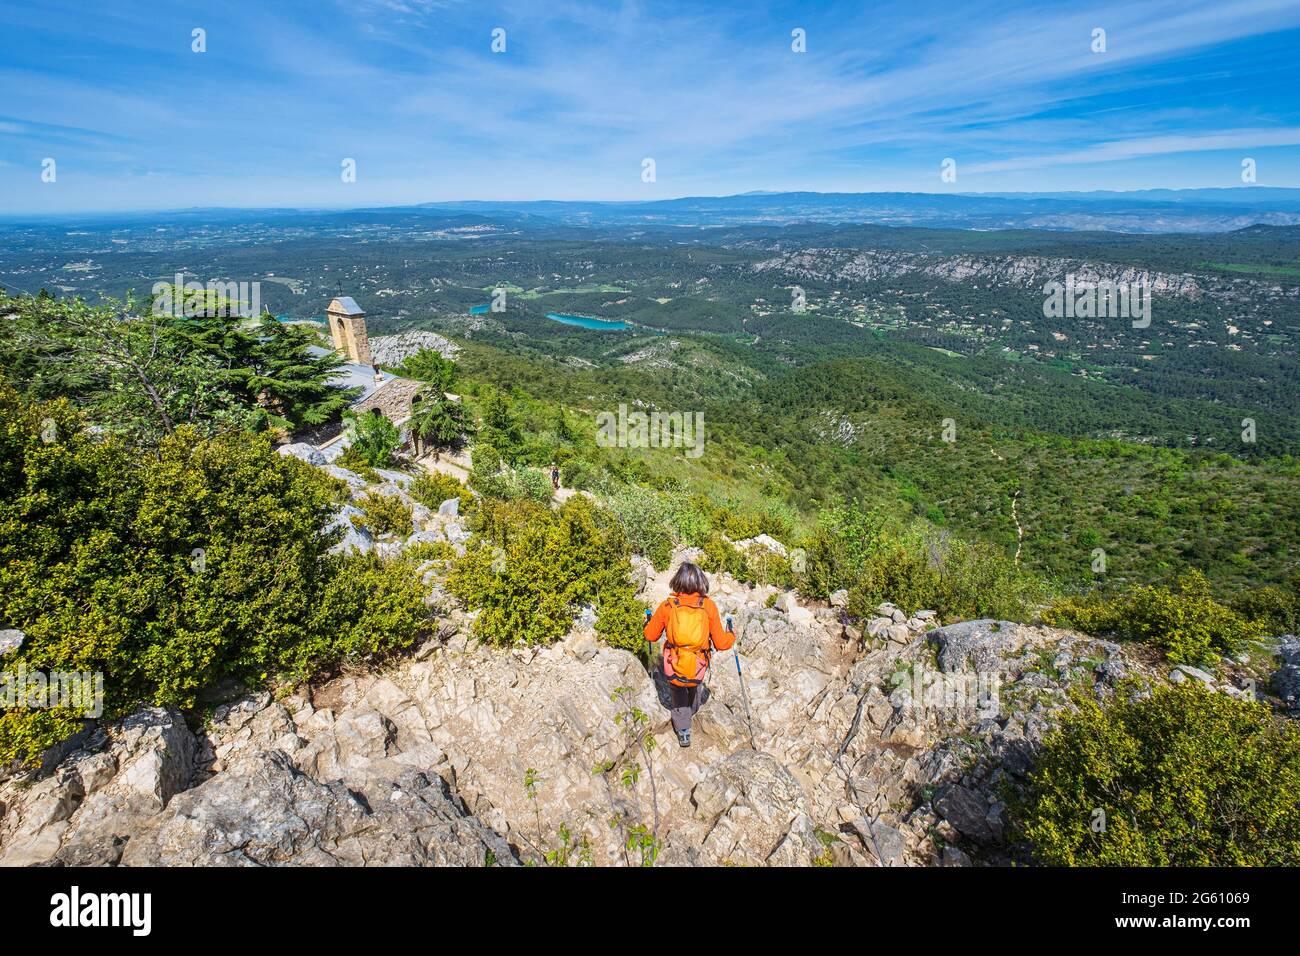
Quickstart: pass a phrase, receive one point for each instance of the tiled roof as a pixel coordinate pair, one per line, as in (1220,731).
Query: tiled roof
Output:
(351,375)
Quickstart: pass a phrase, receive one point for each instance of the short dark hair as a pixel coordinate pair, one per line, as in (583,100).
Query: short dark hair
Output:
(689,579)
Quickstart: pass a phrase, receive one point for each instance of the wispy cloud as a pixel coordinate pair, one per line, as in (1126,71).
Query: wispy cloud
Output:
(412,90)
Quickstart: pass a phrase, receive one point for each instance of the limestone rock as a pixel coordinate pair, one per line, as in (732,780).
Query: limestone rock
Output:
(304,452)
(265,812)
(756,813)
(1286,679)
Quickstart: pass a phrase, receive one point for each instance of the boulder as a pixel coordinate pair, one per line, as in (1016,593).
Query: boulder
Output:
(101,793)
(898,633)
(1286,679)
(983,646)
(265,812)
(304,452)
(967,813)
(354,481)
(799,616)
(1182,671)
(354,539)
(885,844)
(762,541)
(11,639)
(755,812)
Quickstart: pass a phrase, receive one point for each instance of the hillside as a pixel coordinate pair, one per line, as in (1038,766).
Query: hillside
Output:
(330,637)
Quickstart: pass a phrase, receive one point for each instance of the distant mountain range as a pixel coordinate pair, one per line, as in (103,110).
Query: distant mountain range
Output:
(1140,211)
(1151,210)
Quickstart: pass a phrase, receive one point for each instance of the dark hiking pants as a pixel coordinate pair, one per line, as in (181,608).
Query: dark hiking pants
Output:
(686,701)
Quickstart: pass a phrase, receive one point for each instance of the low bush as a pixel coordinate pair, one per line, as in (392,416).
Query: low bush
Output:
(722,557)
(1184,777)
(1186,622)
(384,515)
(514,484)
(1275,608)
(753,565)
(880,557)
(620,620)
(647,521)
(373,439)
(354,461)
(429,551)
(169,570)
(532,569)
(433,488)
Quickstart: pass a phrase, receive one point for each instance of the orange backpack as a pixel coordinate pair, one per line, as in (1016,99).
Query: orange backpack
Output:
(686,652)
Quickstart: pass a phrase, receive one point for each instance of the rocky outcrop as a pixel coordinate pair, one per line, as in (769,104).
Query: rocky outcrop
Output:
(892,744)
(393,350)
(99,794)
(1286,680)
(263,811)
(1026,272)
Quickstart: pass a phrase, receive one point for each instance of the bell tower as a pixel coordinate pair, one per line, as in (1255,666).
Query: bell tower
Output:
(348,330)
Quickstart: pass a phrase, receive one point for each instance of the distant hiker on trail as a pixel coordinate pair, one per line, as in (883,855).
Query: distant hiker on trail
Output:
(555,477)
(694,631)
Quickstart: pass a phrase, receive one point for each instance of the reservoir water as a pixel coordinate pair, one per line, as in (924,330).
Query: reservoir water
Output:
(586,322)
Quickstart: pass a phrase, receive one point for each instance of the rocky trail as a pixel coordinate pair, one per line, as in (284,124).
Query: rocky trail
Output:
(885,742)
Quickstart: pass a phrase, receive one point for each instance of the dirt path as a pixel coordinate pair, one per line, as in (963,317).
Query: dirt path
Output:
(458,469)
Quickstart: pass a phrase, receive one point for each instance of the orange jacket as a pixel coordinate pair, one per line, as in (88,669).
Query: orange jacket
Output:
(656,627)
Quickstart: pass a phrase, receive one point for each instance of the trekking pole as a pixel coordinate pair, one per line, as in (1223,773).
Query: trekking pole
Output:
(649,645)
(744,696)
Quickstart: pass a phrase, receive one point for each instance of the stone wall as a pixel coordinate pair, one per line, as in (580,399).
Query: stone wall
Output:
(393,399)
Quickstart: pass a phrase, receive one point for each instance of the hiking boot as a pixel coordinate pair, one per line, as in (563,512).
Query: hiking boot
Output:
(684,737)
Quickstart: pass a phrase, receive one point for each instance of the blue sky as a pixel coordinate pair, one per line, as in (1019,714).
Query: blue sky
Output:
(411,90)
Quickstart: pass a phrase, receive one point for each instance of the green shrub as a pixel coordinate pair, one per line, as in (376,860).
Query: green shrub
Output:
(658,521)
(878,558)
(373,438)
(354,461)
(740,518)
(1274,608)
(722,557)
(384,515)
(897,573)
(527,577)
(433,488)
(647,520)
(753,565)
(368,608)
(620,620)
(514,484)
(429,551)
(1187,623)
(496,522)
(977,579)
(1185,777)
(169,570)
(840,546)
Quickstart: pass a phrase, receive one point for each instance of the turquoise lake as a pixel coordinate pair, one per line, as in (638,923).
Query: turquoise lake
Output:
(585,322)
(479,309)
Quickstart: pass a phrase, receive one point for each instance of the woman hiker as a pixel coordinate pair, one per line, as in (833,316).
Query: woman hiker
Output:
(694,631)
